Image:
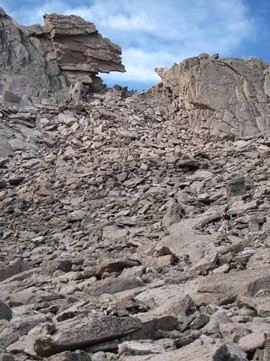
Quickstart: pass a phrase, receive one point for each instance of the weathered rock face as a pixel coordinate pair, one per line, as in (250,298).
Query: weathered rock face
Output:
(227,95)
(38,61)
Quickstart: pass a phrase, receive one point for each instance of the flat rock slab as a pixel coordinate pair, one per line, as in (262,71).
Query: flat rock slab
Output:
(240,283)
(192,352)
(81,332)
(197,351)
(185,239)
(159,296)
(113,285)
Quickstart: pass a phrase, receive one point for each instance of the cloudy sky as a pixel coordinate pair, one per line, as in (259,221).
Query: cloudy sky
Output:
(159,33)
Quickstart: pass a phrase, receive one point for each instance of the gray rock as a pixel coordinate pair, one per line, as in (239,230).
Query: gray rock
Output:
(49,267)
(230,351)
(236,187)
(5,311)
(5,148)
(199,350)
(70,356)
(12,269)
(6,357)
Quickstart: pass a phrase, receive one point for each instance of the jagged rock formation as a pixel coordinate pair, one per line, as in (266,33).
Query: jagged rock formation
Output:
(219,95)
(44,61)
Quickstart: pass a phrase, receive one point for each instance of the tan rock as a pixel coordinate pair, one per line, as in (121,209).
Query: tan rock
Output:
(115,265)
(192,84)
(197,351)
(164,261)
(241,283)
(252,341)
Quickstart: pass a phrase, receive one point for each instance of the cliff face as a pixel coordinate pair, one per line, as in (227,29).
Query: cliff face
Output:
(219,95)
(39,60)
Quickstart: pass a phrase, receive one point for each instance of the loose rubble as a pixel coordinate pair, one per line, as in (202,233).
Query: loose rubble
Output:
(109,237)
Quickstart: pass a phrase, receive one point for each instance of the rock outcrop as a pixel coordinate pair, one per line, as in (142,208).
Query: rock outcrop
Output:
(44,62)
(219,95)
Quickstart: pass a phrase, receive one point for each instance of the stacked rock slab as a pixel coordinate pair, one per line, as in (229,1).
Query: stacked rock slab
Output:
(42,61)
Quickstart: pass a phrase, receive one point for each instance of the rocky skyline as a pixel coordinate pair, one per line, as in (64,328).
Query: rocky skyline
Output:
(157,33)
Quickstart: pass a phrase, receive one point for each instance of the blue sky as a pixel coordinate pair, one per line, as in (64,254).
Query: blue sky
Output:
(158,33)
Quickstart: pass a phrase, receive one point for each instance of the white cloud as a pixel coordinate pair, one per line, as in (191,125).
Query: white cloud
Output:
(139,62)
(138,22)
(156,33)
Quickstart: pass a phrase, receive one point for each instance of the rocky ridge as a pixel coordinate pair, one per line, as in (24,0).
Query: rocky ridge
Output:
(110,247)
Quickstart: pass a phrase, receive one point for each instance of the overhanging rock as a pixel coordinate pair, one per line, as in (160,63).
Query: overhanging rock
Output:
(45,61)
